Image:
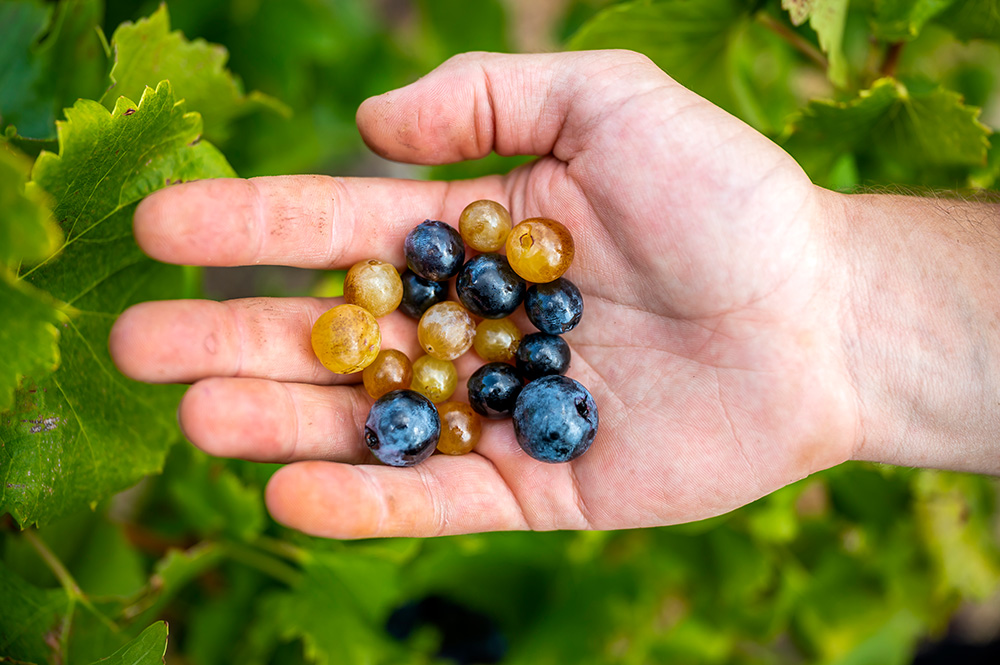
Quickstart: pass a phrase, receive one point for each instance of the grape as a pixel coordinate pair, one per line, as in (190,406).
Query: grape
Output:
(555,419)
(497,339)
(419,294)
(446,330)
(373,285)
(541,354)
(461,428)
(402,428)
(540,249)
(489,288)
(346,339)
(433,378)
(493,390)
(555,307)
(484,225)
(391,370)
(434,251)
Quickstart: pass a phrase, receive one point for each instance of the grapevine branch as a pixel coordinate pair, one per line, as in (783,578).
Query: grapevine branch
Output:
(797,41)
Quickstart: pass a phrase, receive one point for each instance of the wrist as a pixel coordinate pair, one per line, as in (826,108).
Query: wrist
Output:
(920,325)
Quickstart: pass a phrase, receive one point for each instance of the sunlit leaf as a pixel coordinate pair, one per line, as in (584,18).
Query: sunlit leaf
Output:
(827,19)
(86,431)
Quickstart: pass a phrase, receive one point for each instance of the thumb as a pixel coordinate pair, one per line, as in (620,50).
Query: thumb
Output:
(476,103)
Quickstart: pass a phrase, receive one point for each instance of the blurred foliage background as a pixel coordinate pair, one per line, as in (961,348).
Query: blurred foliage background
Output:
(860,564)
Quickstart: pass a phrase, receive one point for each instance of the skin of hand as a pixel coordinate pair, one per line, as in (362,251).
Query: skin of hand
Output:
(730,338)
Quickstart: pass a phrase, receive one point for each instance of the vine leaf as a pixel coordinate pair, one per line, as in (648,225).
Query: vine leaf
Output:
(30,334)
(338,608)
(918,127)
(86,431)
(33,621)
(973,19)
(827,19)
(147,51)
(692,41)
(52,57)
(148,648)
(902,20)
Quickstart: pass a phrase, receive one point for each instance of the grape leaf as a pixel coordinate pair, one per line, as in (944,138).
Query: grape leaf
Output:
(889,124)
(30,342)
(691,41)
(27,231)
(33,622)
(827,19)
(30,334)
(86,432)
(339,608)
(148,648)
(973,19)
(147,52)
(902,20)
(50,59)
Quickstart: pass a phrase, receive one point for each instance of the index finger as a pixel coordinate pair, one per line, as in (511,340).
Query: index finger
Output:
(304,221)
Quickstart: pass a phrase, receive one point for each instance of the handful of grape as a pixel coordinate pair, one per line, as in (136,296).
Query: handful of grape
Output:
(555,417)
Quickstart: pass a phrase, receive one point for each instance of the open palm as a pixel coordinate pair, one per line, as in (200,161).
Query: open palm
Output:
(711,336)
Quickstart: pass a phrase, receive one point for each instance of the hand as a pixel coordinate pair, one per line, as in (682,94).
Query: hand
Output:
(711,336)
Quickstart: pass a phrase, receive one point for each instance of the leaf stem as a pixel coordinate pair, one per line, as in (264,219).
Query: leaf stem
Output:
(891,60)
(797,41)
(263,562)
(54,564)
(66,580)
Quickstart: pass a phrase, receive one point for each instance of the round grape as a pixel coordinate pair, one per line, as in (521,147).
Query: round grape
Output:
(391,370)
(497,339)
(484,225)
(541,354)
(555,307)
(493,390)
(488,287)
(555,419)
(373,285)
(433,378)
(402,428)
(434,251)
(346,339)
(540,249)
(461,428)
(419,294)
(446,330)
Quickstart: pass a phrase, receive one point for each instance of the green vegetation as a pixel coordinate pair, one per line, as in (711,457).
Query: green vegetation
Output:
(851,566)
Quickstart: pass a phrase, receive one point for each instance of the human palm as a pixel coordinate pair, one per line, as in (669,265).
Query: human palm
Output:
(710,338)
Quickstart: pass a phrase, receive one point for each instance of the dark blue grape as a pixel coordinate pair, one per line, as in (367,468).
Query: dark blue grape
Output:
(402,428)
(419,294)
(493,390)
(541,354)
(555,419)
(434,251)
(489,288)
(554,307)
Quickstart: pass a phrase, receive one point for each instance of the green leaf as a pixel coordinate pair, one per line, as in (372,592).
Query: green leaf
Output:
(148,648)
(902,20)
(147,52)
(827,19)
(339,608)
(46,64)
(973,19)
(86,432)
(887,125)
(30,342)
(27,231)
(33,622)
(958,533)
(212,499)
(691,41)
